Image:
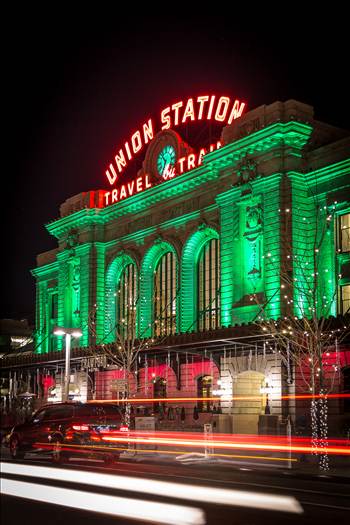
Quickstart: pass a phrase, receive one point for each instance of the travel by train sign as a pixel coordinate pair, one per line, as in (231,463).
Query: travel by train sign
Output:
(203,108)
(172,157)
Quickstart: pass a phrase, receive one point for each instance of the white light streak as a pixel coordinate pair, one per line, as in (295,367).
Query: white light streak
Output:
(149,511)
(161,488)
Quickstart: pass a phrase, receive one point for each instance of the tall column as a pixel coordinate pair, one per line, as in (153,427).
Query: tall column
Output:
(98,291)
(272,244)
(84,253)
(229,232)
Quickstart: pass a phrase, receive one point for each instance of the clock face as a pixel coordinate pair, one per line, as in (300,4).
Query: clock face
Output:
(166,159)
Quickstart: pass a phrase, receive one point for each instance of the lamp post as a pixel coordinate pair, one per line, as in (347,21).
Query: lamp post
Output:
(267,390)
(68,333)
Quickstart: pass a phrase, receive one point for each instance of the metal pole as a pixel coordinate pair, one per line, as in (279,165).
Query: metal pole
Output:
(208,436)
(65,396)
(206,440)
(289,438)
(10,391)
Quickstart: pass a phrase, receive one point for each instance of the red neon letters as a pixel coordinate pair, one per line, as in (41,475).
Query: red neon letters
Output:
(142,183)
(138,140)
(191,161)
(205,107)
(127,190)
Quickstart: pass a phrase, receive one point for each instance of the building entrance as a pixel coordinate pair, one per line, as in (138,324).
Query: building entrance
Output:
(247,411)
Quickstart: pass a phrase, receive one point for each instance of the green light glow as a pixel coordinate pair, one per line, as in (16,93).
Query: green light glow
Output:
(189,266)
(250,219)
(148,268)
(167,157)
(114,272)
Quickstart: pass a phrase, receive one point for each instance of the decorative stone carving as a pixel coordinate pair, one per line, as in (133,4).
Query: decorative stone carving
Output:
(75,284)
(202,226)
(253,218)
(72,292)
(72,240)
(247,171)
(253,230)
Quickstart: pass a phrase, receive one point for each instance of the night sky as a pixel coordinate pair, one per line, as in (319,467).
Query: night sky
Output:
(75,94)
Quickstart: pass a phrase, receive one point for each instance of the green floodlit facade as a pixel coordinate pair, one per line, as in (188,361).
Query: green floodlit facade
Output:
(262,195)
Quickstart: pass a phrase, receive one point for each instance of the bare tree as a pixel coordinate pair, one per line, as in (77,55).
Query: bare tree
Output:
(307,334)
(124,351)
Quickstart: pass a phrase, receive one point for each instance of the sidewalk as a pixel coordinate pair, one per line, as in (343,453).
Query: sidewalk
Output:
(306,468)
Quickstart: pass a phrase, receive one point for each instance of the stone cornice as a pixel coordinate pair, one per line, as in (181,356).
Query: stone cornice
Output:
(81,218)
(293,134)
(326,173)
(41,271)
(235,193)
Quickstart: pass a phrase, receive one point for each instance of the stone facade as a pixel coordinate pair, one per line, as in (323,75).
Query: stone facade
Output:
(254,194)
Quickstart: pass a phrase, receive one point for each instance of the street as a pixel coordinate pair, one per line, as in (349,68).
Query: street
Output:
(192,493)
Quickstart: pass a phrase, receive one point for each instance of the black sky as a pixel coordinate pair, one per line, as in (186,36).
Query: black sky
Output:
(75,93)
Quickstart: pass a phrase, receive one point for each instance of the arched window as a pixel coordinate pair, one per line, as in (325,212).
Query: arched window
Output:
(209,286)
(126,302)
(204,391)
(165,295)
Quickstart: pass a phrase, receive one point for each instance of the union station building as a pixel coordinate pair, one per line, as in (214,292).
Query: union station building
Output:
(189,263)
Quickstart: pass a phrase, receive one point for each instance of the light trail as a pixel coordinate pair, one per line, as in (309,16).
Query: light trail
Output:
(190,440)
(217,398)
(228,445)
(146,511)
(249,441)
(86,449)
(231,437)
(186,492)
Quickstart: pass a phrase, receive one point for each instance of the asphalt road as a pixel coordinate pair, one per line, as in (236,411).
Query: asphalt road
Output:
(319,500)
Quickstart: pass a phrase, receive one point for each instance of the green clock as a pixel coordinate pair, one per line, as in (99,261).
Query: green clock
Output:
(166,158)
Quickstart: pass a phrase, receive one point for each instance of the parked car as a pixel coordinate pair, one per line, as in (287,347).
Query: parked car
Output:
(67,428)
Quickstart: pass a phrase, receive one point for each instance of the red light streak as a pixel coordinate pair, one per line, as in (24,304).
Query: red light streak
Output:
(225,441)
(221,444)
(135,437)
(141,400)
(86,449)
(237,437)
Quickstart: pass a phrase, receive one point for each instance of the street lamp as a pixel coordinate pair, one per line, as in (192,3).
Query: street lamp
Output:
(267,390)
(68,333)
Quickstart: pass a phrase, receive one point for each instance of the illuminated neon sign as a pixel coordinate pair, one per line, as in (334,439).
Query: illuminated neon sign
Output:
(187,163)
(194,160)
(203,108)
(144,182)
(127,190)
